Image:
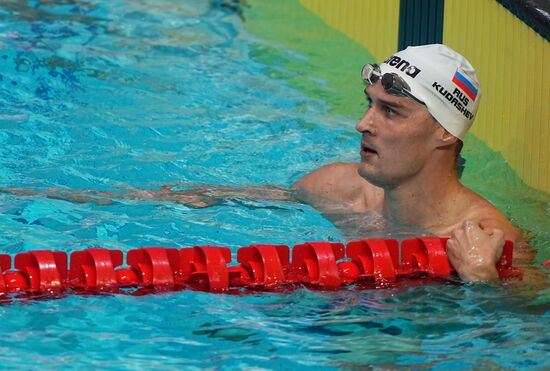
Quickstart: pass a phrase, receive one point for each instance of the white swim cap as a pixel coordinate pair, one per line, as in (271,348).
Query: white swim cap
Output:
(443,79)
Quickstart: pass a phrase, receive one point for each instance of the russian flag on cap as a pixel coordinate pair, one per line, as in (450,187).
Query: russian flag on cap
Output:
(466,85)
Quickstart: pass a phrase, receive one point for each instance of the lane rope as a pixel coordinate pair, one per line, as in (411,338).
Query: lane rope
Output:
(369,263)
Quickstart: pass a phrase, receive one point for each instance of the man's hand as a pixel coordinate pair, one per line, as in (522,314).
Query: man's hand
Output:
(474,252)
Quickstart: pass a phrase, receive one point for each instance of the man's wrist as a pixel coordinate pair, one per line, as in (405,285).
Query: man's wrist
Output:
(485,274)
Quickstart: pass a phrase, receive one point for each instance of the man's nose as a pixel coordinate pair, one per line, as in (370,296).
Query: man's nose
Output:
(366,124)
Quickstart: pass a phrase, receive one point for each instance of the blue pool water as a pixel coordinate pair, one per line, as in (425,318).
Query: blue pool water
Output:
(102,95)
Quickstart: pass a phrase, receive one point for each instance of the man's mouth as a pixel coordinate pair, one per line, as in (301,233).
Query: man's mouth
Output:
(367,151)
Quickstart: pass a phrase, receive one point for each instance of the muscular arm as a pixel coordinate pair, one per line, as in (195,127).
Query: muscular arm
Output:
(337,182)
(194,195)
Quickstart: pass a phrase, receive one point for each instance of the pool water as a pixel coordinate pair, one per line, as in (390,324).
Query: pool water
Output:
(103,95)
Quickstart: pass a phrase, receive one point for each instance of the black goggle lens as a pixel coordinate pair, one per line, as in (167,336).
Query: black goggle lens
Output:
(391,82)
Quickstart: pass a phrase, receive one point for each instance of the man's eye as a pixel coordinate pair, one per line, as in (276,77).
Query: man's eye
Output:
(390,111)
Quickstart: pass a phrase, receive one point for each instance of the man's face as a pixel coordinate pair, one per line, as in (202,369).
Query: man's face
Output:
(399,136)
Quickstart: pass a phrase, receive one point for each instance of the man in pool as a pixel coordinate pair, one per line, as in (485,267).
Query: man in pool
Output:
(422,101)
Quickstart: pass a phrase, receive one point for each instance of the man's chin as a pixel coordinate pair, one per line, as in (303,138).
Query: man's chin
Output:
(370,174)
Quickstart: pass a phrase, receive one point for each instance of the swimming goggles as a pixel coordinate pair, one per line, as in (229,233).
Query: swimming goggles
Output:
(391,82)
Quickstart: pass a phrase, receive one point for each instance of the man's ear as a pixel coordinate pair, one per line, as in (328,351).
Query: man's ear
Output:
(446,138)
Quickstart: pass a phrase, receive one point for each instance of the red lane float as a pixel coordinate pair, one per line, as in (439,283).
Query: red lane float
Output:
(94,268)
(325,265)
(5,264)
(44,270)
(427,255)
(376,259)
(315,263)
(264,265)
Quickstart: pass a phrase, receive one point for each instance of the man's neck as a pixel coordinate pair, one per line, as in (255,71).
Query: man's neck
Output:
(424,201)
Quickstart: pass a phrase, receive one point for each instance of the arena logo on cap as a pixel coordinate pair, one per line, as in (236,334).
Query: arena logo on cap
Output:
(465,84)
(403,65)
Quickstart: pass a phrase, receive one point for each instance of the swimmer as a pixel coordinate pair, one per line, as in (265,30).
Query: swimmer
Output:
(422,101)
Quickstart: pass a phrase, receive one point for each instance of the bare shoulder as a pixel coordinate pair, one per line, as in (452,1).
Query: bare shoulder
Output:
(490,217)
(339,182)
(335,181)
